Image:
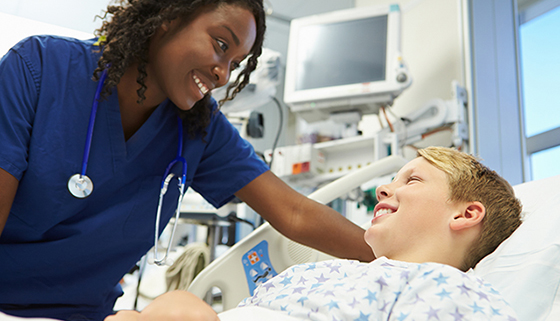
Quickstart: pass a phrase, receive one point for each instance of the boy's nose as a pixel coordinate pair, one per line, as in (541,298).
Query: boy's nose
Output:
(382,192)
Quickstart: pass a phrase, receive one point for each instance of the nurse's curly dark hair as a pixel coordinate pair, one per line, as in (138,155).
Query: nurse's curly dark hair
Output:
(127,35)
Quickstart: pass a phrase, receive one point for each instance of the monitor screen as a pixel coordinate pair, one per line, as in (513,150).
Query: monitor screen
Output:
(341,53)
(344,60)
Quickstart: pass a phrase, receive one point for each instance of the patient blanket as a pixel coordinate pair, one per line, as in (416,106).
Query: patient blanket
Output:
(381,290)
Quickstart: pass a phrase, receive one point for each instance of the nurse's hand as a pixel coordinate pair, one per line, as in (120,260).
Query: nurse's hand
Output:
(124,315)
(171,306)
(179,306)
(8,188)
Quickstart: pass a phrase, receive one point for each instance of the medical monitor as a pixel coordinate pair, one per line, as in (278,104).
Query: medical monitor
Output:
(344,60)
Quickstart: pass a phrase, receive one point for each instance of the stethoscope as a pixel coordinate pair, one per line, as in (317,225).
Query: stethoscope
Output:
(81,186)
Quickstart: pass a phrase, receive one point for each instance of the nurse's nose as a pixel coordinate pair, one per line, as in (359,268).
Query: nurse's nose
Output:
(221,73)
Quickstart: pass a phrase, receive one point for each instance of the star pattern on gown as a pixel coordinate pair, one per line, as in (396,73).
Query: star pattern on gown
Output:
(350,290)
(432,313)
(441,279)
(456,315)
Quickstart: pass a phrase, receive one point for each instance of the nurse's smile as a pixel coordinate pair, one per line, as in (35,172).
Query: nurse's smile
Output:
(203,88)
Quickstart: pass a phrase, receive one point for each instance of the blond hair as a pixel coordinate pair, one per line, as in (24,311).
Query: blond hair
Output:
(470,181)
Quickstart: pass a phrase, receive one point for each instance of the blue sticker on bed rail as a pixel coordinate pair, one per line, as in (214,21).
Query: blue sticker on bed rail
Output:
(258,268)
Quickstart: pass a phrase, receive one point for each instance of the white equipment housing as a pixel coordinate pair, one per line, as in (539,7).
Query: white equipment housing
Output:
(345,60)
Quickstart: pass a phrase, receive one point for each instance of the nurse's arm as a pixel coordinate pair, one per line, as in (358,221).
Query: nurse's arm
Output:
(304,220)
(8,188)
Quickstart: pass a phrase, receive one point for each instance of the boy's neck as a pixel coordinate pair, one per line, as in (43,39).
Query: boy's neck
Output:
(443,252)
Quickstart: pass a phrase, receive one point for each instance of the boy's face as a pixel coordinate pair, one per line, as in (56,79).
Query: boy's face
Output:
(413,213)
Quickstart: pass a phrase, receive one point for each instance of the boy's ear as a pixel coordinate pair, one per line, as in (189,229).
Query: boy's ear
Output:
(470,214)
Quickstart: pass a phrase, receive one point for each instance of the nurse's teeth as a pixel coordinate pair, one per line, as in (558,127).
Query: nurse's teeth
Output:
(200,85)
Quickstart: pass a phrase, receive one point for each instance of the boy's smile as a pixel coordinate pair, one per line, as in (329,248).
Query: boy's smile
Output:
(382,209)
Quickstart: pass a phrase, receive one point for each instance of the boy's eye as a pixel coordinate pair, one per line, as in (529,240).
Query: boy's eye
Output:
(412,179)
(223,46)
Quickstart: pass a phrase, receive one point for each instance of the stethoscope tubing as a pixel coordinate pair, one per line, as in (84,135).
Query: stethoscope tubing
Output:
(178,158)
(80,185)
(91,124)
(167,176)
(76,181)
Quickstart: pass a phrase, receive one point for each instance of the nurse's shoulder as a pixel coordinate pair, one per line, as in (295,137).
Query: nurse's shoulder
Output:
(51,42)
(39,50)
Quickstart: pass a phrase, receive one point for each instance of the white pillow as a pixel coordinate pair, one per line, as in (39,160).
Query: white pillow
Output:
(526,267)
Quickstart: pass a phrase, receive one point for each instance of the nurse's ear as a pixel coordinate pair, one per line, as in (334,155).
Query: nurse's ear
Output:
(166,25)
(169,25)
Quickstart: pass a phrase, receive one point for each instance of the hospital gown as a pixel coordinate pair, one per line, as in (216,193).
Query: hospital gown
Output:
(381,290)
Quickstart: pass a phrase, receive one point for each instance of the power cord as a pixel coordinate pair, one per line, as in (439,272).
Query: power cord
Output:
(279,105)
(233,218)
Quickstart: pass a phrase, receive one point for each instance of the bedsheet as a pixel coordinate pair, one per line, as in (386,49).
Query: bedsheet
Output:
(254,313)
(381,290)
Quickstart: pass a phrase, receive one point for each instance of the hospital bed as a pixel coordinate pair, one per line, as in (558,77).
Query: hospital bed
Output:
(525,268)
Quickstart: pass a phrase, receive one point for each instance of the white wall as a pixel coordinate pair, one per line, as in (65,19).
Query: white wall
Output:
(15,28)
(72,14)
(23,18)
(432,47)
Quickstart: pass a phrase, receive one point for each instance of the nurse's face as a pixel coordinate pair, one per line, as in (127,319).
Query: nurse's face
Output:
(413,213)
(188,60)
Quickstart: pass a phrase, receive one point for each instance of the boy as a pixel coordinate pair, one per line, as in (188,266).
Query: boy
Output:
(441,214)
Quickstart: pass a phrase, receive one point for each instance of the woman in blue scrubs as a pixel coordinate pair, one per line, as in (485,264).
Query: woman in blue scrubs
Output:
(61,256)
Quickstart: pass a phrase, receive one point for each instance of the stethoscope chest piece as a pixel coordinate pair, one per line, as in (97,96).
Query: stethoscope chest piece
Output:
(80,186)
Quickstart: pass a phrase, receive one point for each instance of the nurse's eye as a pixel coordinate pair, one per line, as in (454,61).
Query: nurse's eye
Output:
(223,46)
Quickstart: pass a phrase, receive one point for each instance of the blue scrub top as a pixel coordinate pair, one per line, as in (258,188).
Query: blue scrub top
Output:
(63,257)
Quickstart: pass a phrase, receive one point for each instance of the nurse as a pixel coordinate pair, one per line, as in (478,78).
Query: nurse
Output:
(62,256)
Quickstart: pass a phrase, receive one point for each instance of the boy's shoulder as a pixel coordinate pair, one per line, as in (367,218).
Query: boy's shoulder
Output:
(445,290)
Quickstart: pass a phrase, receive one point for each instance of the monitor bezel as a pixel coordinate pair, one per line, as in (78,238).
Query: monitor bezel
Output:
(350,91)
